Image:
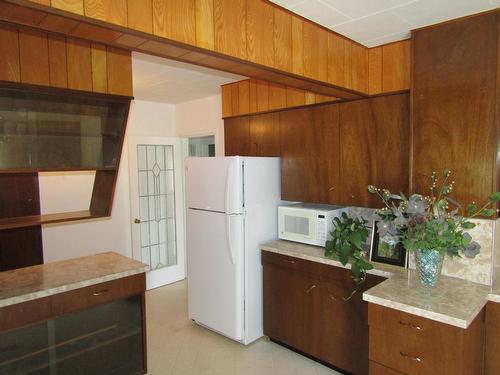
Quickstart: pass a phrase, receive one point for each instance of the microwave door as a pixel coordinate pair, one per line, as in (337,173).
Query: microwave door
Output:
(297,226)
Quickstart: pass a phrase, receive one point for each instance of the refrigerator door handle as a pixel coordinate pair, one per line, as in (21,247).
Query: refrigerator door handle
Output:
(228,238)
(228,188)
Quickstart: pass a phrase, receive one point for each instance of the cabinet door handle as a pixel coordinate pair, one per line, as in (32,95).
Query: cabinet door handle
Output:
(411,325)
(415,359)
(290,261)
(100,292)
(310,288)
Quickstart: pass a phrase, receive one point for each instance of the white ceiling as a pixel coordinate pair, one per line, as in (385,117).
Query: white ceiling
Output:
(376,22)
(168,81)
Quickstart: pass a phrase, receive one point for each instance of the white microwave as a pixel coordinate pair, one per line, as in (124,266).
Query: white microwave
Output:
(307,223)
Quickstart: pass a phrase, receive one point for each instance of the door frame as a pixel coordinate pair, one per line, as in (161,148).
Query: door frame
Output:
(171,274)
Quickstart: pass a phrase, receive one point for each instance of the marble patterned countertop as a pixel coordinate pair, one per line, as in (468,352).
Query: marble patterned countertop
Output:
(453,301)
(43,280)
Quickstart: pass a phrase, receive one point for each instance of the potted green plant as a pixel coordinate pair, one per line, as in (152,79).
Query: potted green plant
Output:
(345,245)
(431,226)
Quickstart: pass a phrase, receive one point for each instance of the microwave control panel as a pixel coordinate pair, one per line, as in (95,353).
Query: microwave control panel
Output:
(321,228)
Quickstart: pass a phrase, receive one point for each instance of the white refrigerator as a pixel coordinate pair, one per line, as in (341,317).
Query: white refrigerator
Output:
(231,209)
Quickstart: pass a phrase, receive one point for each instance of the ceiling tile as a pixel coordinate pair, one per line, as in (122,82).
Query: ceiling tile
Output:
(362,8)
(427,12)
(393,18)
(386,39)
(320,12)
(375,26)
(162,80)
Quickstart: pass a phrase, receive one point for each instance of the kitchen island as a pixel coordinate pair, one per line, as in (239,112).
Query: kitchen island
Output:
(80,316)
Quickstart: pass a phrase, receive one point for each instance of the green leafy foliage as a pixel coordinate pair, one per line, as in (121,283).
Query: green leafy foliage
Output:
(428,222)
(345,245)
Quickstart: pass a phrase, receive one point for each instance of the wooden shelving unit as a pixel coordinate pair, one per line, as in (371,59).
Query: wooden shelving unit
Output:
(48,129)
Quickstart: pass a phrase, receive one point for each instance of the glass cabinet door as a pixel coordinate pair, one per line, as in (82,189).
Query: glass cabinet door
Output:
(104,340)
(52,131)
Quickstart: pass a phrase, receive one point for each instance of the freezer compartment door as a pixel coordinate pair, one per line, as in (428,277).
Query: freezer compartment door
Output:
(215,184)
(215,271)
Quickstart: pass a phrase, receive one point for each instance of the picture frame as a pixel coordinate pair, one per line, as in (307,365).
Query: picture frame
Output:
(386,252)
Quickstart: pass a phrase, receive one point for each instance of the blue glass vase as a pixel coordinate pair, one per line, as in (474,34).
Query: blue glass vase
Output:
(429,265)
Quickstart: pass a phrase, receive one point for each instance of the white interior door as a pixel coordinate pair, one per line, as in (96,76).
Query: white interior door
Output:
(157,207)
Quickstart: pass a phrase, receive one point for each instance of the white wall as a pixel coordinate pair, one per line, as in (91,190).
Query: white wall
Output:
(71,191)
(202,117)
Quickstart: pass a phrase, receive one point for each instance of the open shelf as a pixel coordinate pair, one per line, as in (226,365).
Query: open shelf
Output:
(34,220)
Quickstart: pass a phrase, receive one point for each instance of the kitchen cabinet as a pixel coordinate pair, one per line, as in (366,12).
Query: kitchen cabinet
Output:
(309,142)
(265,135)
(455,105)
(374,148)
(492,342)
(237,136)
(330,153)
(256,135)
(305,308)
(92,330)
(409,344)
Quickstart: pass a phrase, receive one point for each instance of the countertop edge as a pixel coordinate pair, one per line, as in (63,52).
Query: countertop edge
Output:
(72,286)
(326,261)
(493,297)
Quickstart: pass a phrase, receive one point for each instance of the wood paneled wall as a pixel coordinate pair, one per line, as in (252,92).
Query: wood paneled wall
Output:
(40,58)
(255,96)
(389,67)
(254,30)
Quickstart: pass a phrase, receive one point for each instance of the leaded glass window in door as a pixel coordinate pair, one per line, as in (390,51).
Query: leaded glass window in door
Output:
(155,164)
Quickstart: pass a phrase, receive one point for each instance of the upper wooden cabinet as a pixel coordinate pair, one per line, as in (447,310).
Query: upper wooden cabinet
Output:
(252,136)
(265,135)
(309,141)
(331,153)
(455,105)
(374,148)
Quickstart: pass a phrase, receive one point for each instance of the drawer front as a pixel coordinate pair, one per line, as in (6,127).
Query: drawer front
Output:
(286,261)
(25,313)
(416,356)
(405,324)
(98,294)
(378,369)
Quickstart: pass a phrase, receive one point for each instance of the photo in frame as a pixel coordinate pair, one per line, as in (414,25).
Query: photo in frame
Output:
(386,250)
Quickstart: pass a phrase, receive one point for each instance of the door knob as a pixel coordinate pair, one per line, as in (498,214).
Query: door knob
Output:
(137,221)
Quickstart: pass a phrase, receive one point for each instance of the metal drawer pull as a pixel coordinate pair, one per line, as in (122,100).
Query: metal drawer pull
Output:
(416,359)
(310,288)
(290,261)
(411,325)
(99,292)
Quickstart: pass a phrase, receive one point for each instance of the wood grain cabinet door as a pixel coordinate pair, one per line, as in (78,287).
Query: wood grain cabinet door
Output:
(309,143)
(264,135)
(237,136)
(374,148)
(455,98)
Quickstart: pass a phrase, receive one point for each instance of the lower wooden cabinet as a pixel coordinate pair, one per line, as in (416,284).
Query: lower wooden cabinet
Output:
(492,342)
(96,330)
(305,308)
(412,345)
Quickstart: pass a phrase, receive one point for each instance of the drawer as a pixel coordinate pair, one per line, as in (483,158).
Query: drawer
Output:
(25,313)
(405,324)
(378,369)
(286,261)
(410,355)
(98,294)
